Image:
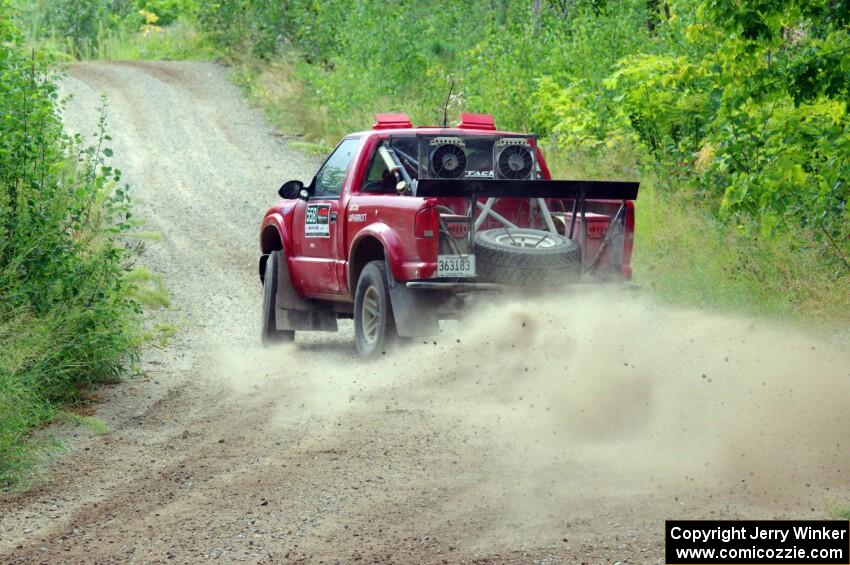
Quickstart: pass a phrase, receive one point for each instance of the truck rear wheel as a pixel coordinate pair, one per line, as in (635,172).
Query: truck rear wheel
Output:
(526,257)
(269,334)
(374,326)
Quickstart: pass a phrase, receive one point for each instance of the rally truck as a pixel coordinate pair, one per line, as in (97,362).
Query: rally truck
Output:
(403,226)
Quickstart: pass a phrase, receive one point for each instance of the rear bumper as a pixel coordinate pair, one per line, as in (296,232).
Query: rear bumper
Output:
(456,286)
(496,287)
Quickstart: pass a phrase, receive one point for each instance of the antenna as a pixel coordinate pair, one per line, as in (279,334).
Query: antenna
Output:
(446,107)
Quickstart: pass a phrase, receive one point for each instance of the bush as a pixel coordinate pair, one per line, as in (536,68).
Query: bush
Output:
(65,319)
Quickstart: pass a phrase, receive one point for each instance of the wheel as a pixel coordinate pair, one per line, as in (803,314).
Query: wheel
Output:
(374,326)
(269,334)
(526,257)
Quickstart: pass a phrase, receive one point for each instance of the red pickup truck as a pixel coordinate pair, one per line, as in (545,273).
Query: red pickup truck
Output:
(403,226)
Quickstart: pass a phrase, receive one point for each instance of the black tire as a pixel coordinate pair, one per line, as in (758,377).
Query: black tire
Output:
(509,257)
(269,334)
(374,326)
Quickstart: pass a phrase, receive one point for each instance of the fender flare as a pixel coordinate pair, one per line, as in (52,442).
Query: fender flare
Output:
(277,221)
(391,242)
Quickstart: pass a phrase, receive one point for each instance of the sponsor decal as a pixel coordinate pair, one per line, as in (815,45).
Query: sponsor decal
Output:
(486,174)
(458,229)
(317,220)
(354,207)
(358,218)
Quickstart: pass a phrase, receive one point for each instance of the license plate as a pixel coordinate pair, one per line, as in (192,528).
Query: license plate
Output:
(456,265)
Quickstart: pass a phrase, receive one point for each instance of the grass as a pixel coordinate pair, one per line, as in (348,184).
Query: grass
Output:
(147,288)
(47,361)
(39,357)
(40,362)
(23,339)
(28,468)
(688,257)
(96,425)
(314,149)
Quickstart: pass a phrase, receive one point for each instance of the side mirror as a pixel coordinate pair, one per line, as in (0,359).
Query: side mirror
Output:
(291,190)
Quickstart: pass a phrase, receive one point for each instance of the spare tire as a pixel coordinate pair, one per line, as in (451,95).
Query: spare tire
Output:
(526,257)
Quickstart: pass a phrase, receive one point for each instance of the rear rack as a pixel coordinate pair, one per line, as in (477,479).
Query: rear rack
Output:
(475,189)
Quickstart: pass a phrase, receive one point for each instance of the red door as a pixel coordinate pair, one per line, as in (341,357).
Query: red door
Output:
(315,224)
(314,243)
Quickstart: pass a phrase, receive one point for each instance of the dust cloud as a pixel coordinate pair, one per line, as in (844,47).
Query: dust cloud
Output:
(594,394)
(651,394)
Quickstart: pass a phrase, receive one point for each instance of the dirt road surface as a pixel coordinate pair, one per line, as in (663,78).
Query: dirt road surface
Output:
(563,430)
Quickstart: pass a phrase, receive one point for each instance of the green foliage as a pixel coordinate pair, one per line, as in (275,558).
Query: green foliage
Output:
(178,41)
(686,255)
(575,117)
(82,22)
(66,321)
(167,11)
(755,121)
(114,29)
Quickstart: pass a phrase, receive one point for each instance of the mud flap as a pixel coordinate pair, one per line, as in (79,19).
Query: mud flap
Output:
(295,313)
(263,260)
(415,311)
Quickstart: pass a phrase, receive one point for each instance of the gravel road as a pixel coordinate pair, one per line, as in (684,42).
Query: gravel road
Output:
(561,432)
